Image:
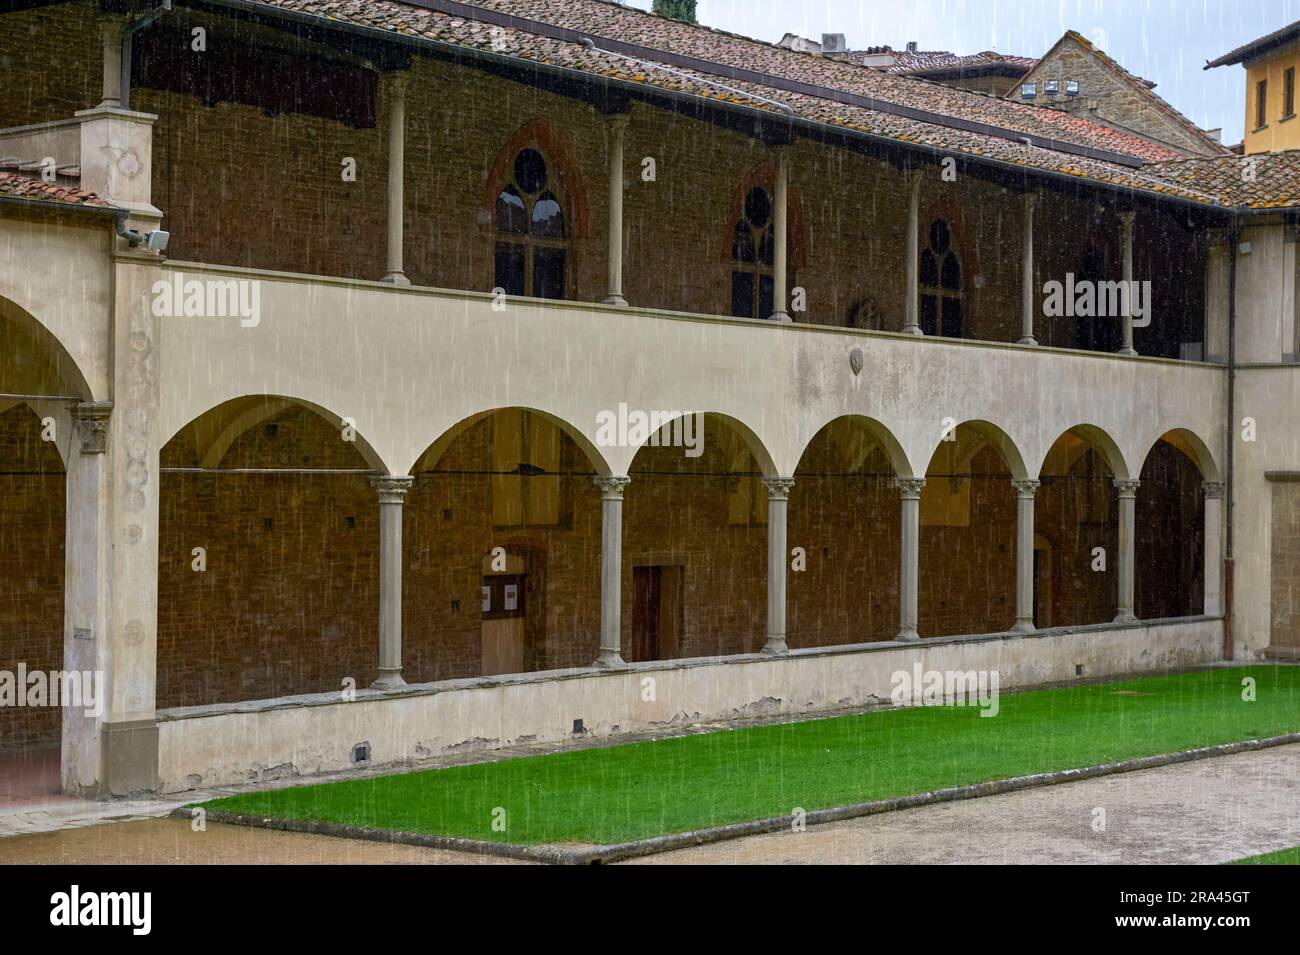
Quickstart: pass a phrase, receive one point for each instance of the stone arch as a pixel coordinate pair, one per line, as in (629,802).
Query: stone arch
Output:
(429,457)
(878,435)
(976,433)
(32,359)
(1191,445)
(213,432)
(753,443)
(1090,436)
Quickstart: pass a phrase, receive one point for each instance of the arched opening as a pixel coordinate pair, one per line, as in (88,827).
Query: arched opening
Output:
(35,432)
(844,517)
(695,542)
(502,537)
(1169,538)
(268,555)
(1076,518)
(968,533)
(32,529)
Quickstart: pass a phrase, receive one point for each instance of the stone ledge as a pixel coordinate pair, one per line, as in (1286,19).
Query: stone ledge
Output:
(580,673)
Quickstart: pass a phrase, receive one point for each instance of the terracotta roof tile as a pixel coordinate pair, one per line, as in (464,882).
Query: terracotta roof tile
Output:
(23,187)
(923,62)
(606,20)
(1260,181)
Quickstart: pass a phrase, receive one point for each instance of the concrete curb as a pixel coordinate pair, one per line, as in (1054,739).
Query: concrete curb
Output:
(594,855)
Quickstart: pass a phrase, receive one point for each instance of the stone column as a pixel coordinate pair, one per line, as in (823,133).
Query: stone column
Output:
(778,502)
(392,492)
(909,578)
(111,39)
(396,87)
(912,300)
(616,124)
(128,651)
(85,589)
(1126,222)
(1214,547)
(611,570)
(1025,491)
(1027,290)
(1127,513)
(780,227)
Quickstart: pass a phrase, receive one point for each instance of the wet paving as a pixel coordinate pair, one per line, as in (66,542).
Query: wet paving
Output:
(1204,812)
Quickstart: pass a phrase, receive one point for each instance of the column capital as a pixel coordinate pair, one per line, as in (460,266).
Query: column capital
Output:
(1127,486)
(1126,216)
(1031,200)
(396,81)
(778,488)
(611,486)
(617,121)
(1214,490)
(1026,488)
(91,421)
(391,488)
(910,487)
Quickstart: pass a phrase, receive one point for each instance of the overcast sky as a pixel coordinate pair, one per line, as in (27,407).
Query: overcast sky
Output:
(1167,41)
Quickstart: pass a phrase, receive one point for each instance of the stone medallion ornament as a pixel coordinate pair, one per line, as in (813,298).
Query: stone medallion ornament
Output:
(855,361)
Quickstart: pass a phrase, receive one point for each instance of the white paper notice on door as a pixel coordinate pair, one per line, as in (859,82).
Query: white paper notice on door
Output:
(487,599)
(512,597)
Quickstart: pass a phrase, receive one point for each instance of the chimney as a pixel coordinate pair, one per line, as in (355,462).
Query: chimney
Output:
(911,46)
(683,10)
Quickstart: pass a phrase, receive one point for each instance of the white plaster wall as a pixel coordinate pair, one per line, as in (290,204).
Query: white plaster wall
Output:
(60,273)
(240,743)
(1272,397)
(409,364)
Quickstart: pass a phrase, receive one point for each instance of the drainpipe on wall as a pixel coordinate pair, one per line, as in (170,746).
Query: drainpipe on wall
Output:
(1228,649)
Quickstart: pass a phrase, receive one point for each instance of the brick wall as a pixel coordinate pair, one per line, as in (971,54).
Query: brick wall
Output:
(239,187)
(32,489)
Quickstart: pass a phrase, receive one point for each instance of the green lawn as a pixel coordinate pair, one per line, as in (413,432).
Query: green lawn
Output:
(1281,857)
(643,789)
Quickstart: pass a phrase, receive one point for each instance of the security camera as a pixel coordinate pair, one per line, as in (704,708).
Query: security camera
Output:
(157,240)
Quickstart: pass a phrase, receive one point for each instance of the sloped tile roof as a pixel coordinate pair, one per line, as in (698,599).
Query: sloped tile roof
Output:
(1255,47)
(23,187)
(1260,181)
(924,62)
(611,21)
(456,24)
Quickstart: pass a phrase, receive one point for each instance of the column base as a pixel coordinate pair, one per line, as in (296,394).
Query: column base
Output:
(908,636)
(913,330)
(1125,616)
(1127,351)
(129,751)
(782,318)
(1028,340)
(1023,626)
(613,298)
(396,278)
(776,646)
(609,660)
(388,680)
